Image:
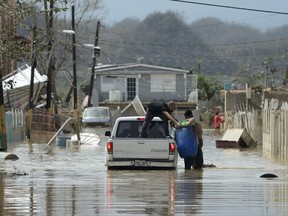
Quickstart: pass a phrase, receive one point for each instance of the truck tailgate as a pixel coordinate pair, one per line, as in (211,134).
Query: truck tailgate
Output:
(141,148)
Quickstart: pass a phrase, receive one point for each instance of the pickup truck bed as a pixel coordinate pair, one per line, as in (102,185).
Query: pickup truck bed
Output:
(125,149)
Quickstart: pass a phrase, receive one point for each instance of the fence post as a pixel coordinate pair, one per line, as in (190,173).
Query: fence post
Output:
(3,137)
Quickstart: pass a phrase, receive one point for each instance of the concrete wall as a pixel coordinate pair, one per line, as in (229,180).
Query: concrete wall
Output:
(236,101)
(268,125)
(275,134)
(275,124)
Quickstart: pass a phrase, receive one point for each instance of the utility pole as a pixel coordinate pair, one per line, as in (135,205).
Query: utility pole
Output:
(3,136)
(49,26)
(96,52)
(74,64)
(30,102)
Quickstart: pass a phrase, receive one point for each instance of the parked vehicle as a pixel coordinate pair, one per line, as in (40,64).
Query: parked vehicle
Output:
(93,116)
(125,149)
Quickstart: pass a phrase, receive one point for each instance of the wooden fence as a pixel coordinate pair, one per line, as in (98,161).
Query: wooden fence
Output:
(15,125)
(42,123)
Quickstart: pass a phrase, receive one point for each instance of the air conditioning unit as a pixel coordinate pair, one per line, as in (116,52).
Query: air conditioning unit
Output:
(114,95)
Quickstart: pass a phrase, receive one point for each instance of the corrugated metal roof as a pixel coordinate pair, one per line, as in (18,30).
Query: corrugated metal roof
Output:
(18,96)
(128,68)
(21,77)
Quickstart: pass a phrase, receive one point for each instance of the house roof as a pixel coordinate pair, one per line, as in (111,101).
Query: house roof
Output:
(21,77)
(137,68)
(18,95)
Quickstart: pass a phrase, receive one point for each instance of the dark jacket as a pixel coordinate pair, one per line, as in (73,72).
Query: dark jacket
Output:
(158,106)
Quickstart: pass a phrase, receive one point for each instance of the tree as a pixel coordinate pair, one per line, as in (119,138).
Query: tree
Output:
(53,48)
(208,86)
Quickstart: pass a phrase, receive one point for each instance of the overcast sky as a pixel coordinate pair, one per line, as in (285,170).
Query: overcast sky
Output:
(116,10)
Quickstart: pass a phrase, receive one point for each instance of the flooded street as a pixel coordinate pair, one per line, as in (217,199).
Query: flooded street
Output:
(48,180)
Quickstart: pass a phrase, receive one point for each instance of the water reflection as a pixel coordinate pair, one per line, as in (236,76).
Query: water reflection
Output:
(188,192)
(141,192)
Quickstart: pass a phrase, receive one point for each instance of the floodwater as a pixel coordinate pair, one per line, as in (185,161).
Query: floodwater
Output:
(48,180)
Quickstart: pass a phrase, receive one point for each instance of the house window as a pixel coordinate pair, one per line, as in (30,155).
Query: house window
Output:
(108,83)
(131,88)
(163,83)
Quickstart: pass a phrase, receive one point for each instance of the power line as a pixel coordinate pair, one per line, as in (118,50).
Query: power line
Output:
(232,7)
(216,24)
(192,45)
(211,57)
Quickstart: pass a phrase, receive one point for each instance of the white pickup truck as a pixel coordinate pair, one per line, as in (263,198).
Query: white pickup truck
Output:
(125,149)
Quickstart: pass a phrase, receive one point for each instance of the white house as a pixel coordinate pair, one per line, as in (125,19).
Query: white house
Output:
(123,82)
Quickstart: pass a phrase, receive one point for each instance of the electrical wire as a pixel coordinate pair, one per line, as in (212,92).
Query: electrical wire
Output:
(232,7)
(194,45)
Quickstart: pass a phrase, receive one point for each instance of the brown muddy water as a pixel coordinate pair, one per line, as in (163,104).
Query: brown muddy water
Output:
(48,180)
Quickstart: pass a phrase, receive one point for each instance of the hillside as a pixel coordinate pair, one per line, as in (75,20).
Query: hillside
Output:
(206,46)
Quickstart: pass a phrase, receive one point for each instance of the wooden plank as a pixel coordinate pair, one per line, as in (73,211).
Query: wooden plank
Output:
(235,137)
(226,144)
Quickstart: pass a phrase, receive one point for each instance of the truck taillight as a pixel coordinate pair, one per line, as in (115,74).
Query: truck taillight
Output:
(109,147)
(172,148)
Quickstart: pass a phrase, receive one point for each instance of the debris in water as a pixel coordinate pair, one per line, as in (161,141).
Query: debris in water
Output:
(268,175)
(209,165)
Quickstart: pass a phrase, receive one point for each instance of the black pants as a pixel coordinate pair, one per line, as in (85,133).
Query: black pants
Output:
(148,118)
(195,162)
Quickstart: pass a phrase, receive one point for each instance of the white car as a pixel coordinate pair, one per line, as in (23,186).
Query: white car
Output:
(125,149)
(93,116)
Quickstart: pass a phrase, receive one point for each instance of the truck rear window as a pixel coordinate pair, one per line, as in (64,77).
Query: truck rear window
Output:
(133,128)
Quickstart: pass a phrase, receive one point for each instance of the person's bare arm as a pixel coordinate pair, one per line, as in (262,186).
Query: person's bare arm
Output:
(172,119)
(190,121)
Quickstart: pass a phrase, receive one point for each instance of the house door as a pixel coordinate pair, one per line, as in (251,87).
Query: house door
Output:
(131,88)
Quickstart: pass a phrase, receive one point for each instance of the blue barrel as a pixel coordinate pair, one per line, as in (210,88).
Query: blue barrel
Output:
(186,142)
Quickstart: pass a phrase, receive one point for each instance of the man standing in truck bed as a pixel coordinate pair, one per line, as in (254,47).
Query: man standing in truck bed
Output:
(163,110)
